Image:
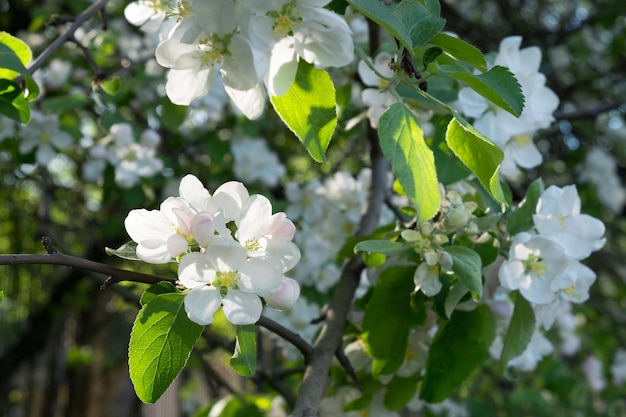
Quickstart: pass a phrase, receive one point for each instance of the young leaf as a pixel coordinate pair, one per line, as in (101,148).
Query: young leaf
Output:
(390,303)
(519,333)
(467,266)
(156,289)
(381,14)
(380,246)
(12,103)
(458,348)
(127,251)
(399,391)
(244,357)
(479,154)
(14,56)
(460,50)
(497,85)
(421,22)
(521,219)
(160,344)
(309,109)
(402,142)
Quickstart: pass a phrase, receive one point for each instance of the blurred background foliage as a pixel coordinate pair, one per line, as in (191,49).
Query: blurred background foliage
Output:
(63,341)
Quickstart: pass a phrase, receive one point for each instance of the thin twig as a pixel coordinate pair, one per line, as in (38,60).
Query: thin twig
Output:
(302,345)
(56,44)
(56,258)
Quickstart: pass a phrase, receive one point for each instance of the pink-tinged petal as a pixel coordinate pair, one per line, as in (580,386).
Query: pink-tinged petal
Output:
(281,227)
(242,308)
(193,192)
(178,212)
(285,296)
(195,270)
(142,224)
(202,229)
(260,275)
(201,303)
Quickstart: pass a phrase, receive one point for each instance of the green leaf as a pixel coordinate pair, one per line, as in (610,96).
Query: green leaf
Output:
(156,289)
(309,109)
(172,115)
(455,294)
(521,219)
(127,251)
(467,267)
(69,102)
(390,303)
(458,348)
(460,50)
(431,54)
(399,391)
(12,103)
(244,357)
(14,56)
(519,333)
(380,246)
(450,169)
(402,142)
(1,295)
(160,344)
(497,85)
(111,86)
(421,22)
(479,154)
(381,14)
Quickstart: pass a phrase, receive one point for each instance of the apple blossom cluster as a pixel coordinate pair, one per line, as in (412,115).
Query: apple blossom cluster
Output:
(43,136)
(253,46)
(544,264)
(231,250)
(327,213)
(254,161)
(132,159)
(514,135)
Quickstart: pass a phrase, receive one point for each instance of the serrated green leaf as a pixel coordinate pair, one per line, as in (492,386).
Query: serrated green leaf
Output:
(156,289)
(309,109)
(399,391)
(421,22)
(457,349)
(479,154)
(450,169)
(380,246)
(381,14)
(519,333)
(244,357)
(390,303)
(127,251)
(467,267)
(402,142)
(521,219)
(12,106)
(14,56)
(160,344)
(460,50)
(497,85)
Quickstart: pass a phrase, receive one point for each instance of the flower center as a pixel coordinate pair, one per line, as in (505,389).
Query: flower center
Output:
(182,9)
(212,49)
(226,280)
(523,140)
(285,20)
(533,264)
(252,245)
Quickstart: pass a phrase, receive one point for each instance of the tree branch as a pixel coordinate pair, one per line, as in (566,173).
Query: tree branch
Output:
(314,382)
(302,345)
(56,258)
(77,23)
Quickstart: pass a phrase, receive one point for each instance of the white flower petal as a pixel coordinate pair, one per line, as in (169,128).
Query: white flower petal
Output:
(242,308)
(195,270)
(285,296)
(201,303)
